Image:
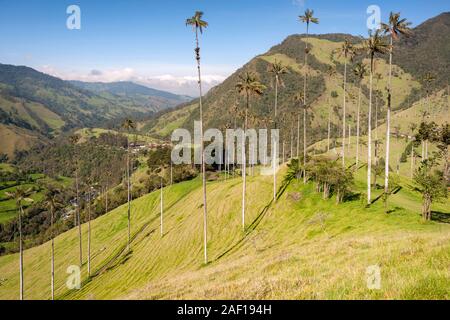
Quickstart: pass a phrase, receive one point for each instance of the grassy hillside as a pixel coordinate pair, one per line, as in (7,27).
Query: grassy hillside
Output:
(299,247)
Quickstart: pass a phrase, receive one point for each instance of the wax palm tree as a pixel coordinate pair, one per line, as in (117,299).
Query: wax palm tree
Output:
(278,70)
(128,125)
(299,98)
(74,139)
(378,78)
(360,72)
(395,28)
(247,86)
(346,51)
(198,24)
(307,18)
(51,202)
(372,47)
(412,127)
(428,79)
(20,195)
(331,71)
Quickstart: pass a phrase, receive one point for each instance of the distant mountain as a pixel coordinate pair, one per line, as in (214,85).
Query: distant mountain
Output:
(428,50)
(36,105)
(134,93)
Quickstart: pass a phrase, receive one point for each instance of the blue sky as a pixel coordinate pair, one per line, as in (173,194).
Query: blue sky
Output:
(146,40)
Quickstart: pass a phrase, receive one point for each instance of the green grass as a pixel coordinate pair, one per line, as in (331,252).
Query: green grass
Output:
(95,132)
(299,249)
(8,208)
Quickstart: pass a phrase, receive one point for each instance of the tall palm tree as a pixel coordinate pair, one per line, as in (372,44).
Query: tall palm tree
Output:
(161,203)
(395,27)
(331,71)
(299,98)
(277,69)
(412,127)
(378,78)
(360,72)
(247,86)
(128,125)
(372,46)
(74,139)
(428,79)
(347,51)
(307,18)
(198,24)
(20,195)
(51,201)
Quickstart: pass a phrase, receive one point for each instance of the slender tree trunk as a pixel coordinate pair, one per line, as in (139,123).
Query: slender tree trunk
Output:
(53,255)
(305,104)
(298,136)
(128,194)
(244,164)
(21,253)
(79,217)
(369,135)
(89,233)
(292,141)
(106,199)
(329,128)
(274,144)
(388,125)
(205,209)
(344,113)
(412,160)
(161,208)
(358,126)
(349,137)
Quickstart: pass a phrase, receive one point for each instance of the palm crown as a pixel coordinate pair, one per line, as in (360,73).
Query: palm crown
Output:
(396,26)
(248,84)
(196,21)
(278,68)
(128,124)
(347,50)
(20,195)
(309,17)
(375,45)
(360,70)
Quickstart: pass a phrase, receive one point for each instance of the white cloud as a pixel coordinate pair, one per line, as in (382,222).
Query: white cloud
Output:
(175,82)
(300,3)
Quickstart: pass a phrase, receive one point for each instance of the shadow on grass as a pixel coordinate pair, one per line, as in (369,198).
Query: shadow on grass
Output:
(441,217)
(255,222)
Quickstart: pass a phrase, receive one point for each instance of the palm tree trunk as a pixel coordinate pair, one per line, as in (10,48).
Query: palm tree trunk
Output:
(128,193)
(304,144)
(329,128)
(369,136)
(161,209)
(344,114)
(388,124)
(275,145)
(89,232)
(305,104)
(292,141)
(53,257)
(357,126)
(298,136)
(106,199)
(205,209)
(79,217)
(21,253)
(244,164)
